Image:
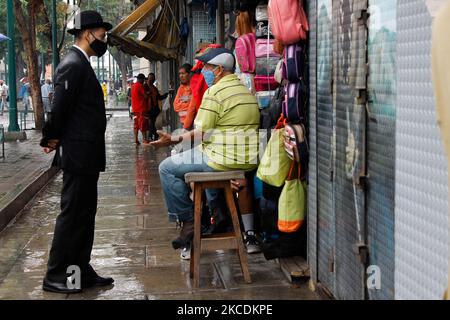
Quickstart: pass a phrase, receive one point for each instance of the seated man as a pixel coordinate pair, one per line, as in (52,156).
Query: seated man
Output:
(227,125)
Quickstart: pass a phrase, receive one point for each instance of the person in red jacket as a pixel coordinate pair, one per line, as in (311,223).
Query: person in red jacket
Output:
(140,108)
(198,88)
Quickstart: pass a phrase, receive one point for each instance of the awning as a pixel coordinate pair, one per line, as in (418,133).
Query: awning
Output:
(162,40)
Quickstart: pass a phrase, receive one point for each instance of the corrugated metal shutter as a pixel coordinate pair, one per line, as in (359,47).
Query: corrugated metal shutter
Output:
(381,143)
(350,149)
(324,134)
(421,201)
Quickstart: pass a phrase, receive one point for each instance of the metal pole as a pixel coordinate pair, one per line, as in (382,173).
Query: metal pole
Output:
(103,68)
(54,38)
(13,125)
(98,68)
(109,70)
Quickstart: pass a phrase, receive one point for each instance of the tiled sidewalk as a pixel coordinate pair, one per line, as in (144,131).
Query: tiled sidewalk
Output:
(132,241)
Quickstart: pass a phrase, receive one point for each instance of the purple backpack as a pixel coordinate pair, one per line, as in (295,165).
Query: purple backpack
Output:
(296,102)
(295,62)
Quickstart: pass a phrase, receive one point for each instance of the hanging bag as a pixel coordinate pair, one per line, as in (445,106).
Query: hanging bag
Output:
(275,163)
(245,52)
(288,21)
(295,62)
(296,103)
(292,203)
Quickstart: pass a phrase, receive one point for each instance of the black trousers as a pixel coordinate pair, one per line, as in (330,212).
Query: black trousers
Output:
(74,229)
(152,123)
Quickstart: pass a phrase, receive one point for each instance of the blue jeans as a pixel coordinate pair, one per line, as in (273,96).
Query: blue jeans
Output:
(3,104)
(176,191)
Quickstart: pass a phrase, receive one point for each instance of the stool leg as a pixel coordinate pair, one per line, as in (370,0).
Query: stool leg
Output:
(191,262)
(237,231)
(195,263)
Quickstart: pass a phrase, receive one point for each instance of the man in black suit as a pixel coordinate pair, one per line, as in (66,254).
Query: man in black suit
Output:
(76,130)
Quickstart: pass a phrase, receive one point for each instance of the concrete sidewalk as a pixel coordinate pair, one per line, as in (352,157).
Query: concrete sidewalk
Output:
(132,240)
(23,172)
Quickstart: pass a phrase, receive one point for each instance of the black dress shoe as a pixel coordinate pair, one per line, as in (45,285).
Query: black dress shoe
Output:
(57,287)
(97,281)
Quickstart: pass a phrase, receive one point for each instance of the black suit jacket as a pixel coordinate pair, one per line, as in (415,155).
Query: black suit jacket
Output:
(77,117)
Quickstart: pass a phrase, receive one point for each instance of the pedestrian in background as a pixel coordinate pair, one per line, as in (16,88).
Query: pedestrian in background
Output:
(139,104)
(154,97)
(184,93)
(24,94)
(47,95)
(4,94)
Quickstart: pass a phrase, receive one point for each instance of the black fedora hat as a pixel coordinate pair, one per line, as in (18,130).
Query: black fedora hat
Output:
(89,19)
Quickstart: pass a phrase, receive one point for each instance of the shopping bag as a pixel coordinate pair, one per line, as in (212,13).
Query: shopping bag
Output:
(275,163)
(292,203)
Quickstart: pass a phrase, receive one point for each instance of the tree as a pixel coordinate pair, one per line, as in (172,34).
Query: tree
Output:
(33,24)
(26,16)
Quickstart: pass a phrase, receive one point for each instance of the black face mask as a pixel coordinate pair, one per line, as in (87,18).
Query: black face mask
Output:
(99,47)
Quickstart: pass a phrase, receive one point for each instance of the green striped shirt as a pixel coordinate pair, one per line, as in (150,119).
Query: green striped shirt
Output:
(229,119)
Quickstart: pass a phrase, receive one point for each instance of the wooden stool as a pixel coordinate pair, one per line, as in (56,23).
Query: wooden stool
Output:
(205,243)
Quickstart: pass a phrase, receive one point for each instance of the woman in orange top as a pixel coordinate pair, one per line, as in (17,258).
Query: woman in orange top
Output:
(184,94)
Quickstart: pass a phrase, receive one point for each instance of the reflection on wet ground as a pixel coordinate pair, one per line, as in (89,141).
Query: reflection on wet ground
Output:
(132,241)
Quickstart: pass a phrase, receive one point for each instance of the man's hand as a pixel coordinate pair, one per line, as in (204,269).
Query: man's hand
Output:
(238,185)
(165,140)
(52,145)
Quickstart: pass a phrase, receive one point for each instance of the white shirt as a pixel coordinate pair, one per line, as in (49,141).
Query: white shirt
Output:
(84,52)
(3,90)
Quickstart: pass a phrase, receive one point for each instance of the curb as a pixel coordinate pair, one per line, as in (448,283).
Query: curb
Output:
(13,208)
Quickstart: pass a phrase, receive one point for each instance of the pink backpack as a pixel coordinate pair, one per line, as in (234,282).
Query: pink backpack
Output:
(288,21)
(245,52)
(264,46)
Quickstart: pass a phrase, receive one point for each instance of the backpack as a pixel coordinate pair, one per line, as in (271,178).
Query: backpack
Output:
(288,21)
(279,71)
(296,103)
(264,47)
(263,31)
(184,29)
(270,115)
(296,145)
(295,62)
(245,52)
(261,13)
(266,66)
(264,98)
(265,83)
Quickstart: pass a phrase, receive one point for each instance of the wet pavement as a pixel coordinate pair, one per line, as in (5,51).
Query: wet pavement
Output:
(132,240)
(23,164)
